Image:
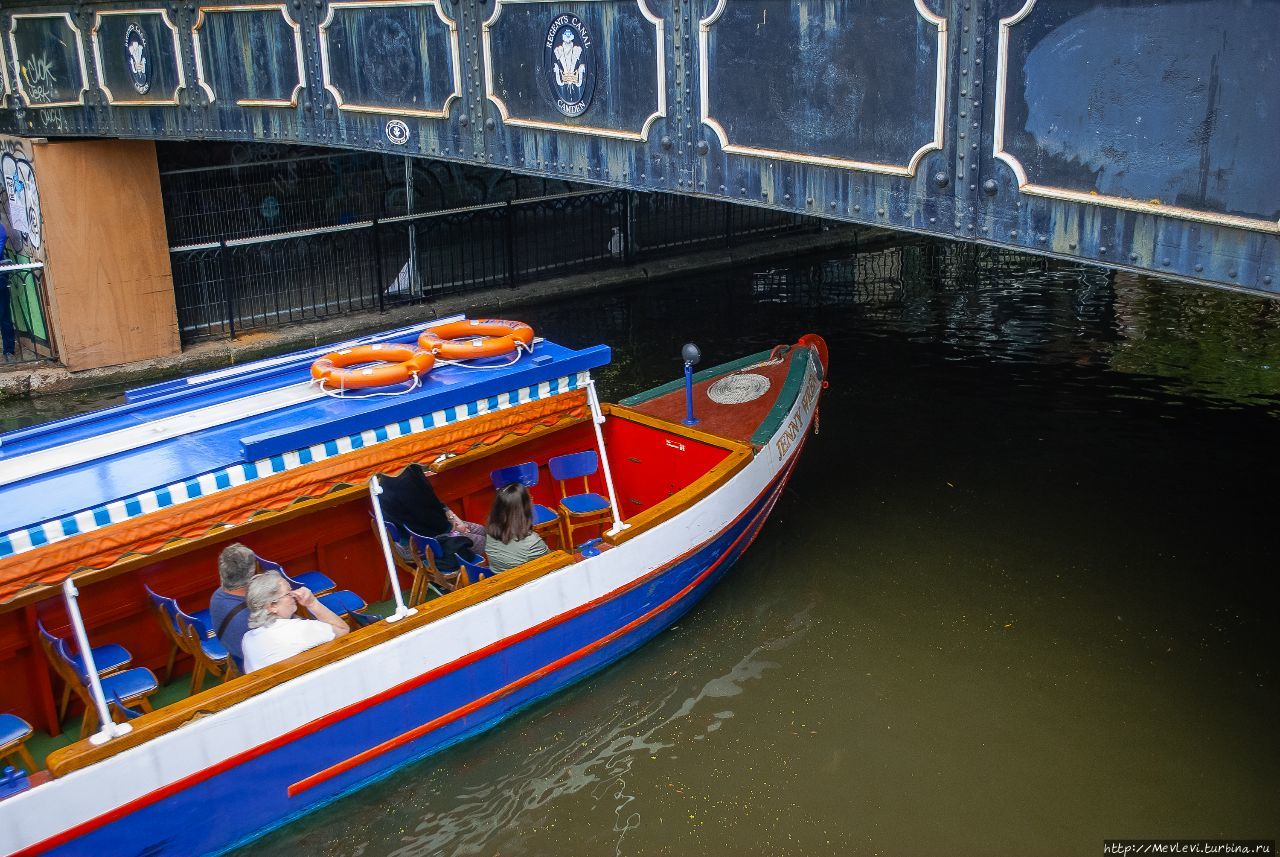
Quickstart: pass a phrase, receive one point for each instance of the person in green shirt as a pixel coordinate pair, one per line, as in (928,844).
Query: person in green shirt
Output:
(511,540)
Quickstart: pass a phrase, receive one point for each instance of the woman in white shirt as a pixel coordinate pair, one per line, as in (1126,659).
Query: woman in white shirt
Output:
(274,633)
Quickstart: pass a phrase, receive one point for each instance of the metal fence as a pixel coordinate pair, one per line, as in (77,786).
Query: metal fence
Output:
(24,316)
(240,284)
(240,201)
(291,189)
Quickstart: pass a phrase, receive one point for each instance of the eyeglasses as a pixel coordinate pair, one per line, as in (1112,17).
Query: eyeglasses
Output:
(276,601)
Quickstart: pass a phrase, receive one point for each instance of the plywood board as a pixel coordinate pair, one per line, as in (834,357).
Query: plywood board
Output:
(106,252)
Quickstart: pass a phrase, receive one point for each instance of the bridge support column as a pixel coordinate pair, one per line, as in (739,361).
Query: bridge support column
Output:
(106,253)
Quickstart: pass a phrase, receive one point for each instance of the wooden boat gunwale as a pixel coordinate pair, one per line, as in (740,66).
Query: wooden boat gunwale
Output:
(154,724)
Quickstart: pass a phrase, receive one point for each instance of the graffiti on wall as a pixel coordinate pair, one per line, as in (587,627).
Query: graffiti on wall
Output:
(24,331)
(22,211)
(38,79)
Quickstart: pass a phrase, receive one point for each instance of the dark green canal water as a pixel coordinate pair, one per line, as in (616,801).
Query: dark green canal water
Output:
(1017,599)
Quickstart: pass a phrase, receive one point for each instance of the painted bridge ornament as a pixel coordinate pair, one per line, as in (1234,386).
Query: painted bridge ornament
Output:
(397,132)
(570,60)
(138,58)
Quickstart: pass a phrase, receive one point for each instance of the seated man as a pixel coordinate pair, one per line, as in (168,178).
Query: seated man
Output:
(274,633)
(236,567)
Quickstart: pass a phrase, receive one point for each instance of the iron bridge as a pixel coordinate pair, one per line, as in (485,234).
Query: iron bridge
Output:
(1131,133)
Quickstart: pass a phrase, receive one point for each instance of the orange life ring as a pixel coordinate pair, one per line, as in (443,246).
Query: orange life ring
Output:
(479,337)
(391,364)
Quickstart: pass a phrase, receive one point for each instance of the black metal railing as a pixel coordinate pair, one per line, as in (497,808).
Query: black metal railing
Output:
(24,314)
(240,284)
(282,189)
(240,201)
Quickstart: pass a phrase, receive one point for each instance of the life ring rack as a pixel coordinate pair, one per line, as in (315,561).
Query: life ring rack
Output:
(389,363)
(475,338)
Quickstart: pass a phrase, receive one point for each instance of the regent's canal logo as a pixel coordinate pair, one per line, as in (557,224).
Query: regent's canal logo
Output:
(569,58)
(397,132)
(137,58)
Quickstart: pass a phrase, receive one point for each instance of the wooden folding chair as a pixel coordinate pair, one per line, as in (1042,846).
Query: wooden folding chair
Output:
(109,659)
(14,732)
(584,508)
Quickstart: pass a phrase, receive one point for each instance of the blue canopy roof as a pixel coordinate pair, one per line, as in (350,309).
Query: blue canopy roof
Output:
(186,438)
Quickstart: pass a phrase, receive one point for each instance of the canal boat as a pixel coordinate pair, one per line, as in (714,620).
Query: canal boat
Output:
(104,513)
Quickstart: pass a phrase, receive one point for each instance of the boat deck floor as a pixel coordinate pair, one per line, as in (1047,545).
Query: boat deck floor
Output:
(735,421)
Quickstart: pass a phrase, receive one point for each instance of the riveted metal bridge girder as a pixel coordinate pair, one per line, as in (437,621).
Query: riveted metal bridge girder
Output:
(1133,134)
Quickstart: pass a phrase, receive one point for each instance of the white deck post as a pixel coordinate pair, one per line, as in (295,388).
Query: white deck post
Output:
(597,419)
(375,489)
(110,729)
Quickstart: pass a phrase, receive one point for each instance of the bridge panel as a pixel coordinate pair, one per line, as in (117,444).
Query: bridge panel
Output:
(1123,104)
(138,57)
(1135,133)
(843,82)
(50,59)
(591,68)
(391,57)
(249,55)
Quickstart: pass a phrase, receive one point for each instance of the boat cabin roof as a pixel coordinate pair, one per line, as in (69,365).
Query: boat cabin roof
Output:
(182,439)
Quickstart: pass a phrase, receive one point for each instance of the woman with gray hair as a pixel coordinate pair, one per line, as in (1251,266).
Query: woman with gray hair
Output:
(274,632)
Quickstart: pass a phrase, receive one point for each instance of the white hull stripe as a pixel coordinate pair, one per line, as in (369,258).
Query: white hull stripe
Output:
(117,511)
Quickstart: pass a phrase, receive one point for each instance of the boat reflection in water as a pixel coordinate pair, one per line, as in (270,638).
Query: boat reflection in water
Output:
(142,498)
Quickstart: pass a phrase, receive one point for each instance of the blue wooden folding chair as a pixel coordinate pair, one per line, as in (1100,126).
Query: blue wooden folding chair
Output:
(14,732)
(208,655)
(584,508)
(317,581)
(131,687)
(432,552)
(109,659)
(162,607)
(472,572)
(405,558)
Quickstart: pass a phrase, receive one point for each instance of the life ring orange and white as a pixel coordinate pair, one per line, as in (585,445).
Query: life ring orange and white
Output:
(480,337)
(389,363)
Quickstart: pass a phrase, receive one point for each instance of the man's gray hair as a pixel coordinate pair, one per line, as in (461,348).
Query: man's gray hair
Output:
(236,565)
(263,589)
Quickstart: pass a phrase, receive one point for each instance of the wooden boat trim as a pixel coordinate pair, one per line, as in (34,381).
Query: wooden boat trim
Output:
(796,374)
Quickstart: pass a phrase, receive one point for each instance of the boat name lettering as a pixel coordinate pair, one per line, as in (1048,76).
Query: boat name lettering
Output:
(807,395)
(789,436)
(811,388)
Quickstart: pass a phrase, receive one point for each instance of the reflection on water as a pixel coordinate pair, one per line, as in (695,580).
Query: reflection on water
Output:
(1016,599)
